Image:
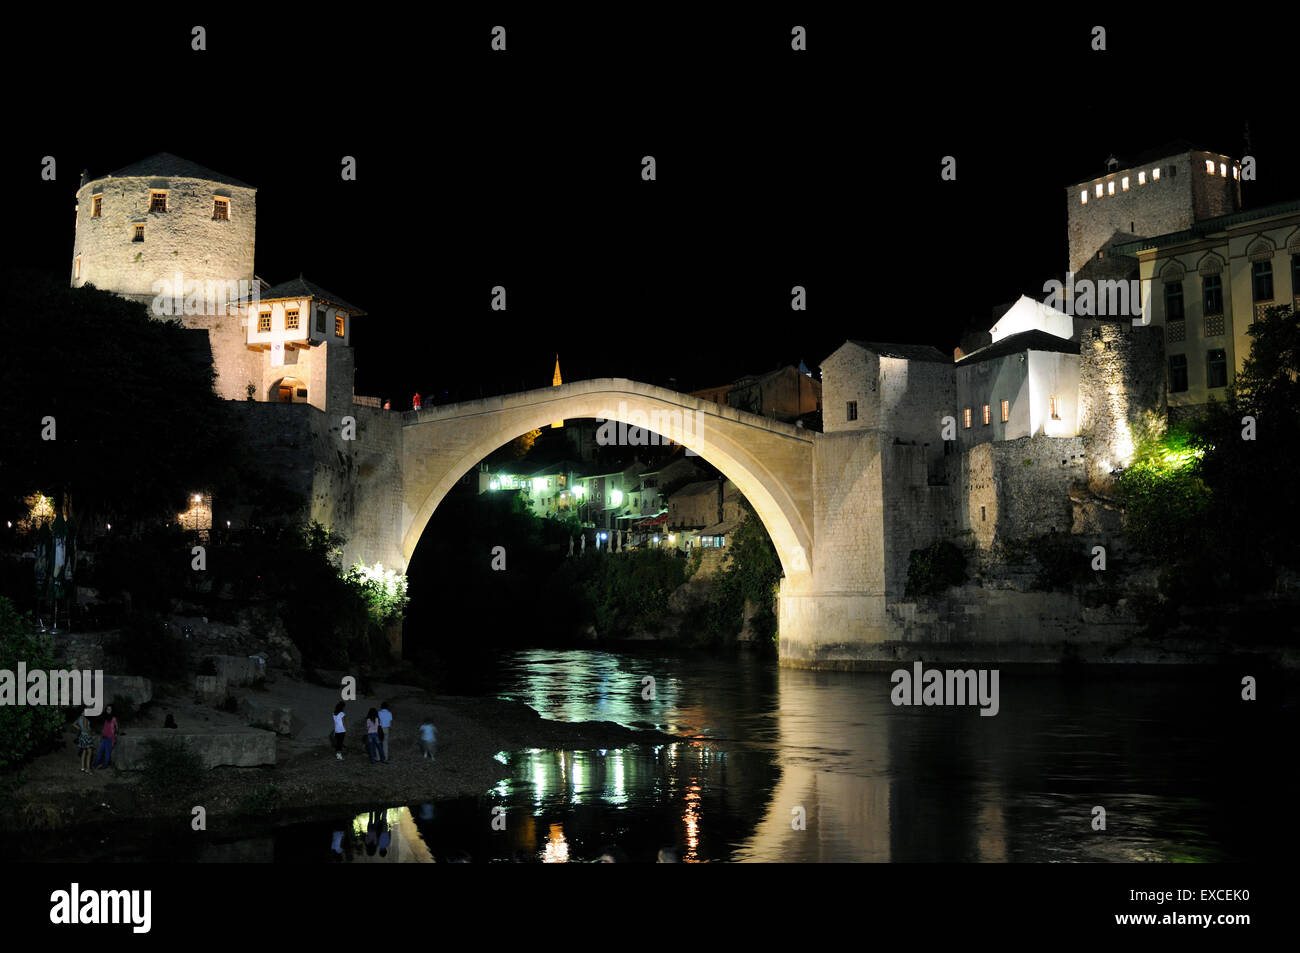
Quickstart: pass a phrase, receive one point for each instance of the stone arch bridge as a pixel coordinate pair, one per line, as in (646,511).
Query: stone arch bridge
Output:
(774,464)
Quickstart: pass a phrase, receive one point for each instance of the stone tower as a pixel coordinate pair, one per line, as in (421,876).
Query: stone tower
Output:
(1161,191)
(146,223)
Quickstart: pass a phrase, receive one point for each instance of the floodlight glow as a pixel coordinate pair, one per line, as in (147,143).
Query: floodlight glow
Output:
(539,484)
(616,497)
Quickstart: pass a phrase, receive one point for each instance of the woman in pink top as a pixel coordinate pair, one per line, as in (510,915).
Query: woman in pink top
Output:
(372,735)
(108,738)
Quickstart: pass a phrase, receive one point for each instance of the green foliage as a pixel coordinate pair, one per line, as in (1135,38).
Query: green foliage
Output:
(624,591)
(694,562)
(170,767)
(149,649)
(25,730)
(383,590)
(934,568)
(750,575)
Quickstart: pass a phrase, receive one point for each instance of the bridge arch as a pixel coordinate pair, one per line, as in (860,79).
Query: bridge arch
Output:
(769,462)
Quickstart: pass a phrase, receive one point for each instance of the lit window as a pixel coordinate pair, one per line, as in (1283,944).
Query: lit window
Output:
(1006,411)
(1098,190)
(1235,171)
(291,319)
(264,321)
(988,417)
(1110,187)
(1054,407)
(1083,197)
(1223,170)
(338,326)
(96,206)
(1123,183)
(851,410)
(157,201)
(76,267)
(1155,175)
(139,234)
(966,417)
(1142,178)
(1209,166)
(221,209)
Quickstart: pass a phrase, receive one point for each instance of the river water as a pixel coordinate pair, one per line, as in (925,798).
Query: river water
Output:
(784,765)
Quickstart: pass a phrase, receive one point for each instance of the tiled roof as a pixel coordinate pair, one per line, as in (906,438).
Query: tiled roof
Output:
(164,164)
(1034,340)
(300,287)
(911,352)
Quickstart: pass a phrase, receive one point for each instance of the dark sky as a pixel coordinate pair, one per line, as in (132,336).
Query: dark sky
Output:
(775,168)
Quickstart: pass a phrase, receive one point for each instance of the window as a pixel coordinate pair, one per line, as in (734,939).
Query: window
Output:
(1235,171)
(1083,197)
(1216,368)
(988,417)
(1177,373)
(157,201)
(1261,277)
(1212,286)
(1209,166)
(1223,170)
(96,206)
(221,210)
(1173,171)
(264,321)
(851,410)
(1174,300)
(1155,175)
(320,320)
(1295,275)
(1098,190)
(1054,407)
(1110,187)
(1123,183)
(966,417)
(982,516)
(139,234)
(338,325)
(291,319)
(1006,411)
(76,267)
(1142,178)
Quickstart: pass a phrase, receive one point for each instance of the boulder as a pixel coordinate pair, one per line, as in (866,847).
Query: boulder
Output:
(261,715)
(237,669)
(137,689)
(210,689)
(242,749)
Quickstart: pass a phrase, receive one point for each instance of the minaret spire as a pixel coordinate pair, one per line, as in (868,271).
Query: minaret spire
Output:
(556,381)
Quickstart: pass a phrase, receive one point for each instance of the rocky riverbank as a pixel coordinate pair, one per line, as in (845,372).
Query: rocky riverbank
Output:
(306,778)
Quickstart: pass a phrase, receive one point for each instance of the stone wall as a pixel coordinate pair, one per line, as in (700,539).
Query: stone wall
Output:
(1121,375)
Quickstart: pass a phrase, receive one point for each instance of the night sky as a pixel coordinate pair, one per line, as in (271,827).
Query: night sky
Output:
(775,168)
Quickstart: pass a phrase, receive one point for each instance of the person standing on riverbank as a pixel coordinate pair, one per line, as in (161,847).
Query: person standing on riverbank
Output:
(372,735)
(428,738)
(338,731)
(385,728)
(85,741)
(108,738)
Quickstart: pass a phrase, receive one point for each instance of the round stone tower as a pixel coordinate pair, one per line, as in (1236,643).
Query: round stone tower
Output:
(164,216)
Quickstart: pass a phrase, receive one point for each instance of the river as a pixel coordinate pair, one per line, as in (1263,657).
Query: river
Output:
(786,765)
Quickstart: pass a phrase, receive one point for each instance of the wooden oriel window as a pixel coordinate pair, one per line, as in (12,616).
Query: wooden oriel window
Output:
(966,417)
(291,319)
(221,209)
(988,416)
(157,201)
(264,321)
(1006,411)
